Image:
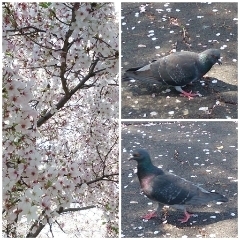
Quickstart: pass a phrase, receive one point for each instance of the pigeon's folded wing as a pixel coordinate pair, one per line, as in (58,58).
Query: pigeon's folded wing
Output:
(171,189)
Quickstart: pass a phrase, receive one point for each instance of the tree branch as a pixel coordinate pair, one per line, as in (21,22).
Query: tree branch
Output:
(59,226)
(66,47)
(28,27)
(60,211)
(77,209)
(102,178)
(39,229)
(63,101)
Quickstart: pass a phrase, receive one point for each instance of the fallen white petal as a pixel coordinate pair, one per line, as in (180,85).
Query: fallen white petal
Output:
(203,108)
(141,45)
(153,113)
(150,35)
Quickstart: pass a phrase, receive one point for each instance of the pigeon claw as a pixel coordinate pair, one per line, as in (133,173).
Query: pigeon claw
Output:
(186,217)
(190,95)
(150,215)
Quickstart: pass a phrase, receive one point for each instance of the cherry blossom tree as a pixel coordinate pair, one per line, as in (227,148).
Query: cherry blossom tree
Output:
(60,116)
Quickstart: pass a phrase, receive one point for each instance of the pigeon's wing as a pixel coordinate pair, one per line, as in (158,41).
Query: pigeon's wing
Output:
(177,69)
(171,189)
(141,73)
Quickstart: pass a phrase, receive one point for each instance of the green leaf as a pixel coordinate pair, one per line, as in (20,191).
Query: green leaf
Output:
(45,4)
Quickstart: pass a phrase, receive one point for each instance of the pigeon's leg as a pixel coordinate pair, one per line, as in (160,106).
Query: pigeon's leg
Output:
(186,217)
(154,213)
(187,94)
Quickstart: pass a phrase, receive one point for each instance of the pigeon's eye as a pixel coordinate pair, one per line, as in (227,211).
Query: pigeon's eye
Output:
(136,155)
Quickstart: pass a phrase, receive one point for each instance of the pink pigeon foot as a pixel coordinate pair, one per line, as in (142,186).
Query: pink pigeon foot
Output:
(190,95)
(186,217)
(150,215)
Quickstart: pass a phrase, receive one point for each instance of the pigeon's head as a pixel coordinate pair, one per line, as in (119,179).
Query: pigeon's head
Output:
(140,155)
(211,56)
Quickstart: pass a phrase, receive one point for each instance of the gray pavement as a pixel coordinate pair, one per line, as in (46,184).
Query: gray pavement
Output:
(180,26)
(207,155)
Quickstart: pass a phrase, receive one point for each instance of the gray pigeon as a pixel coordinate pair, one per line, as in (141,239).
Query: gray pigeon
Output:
(170,189)
(176,69)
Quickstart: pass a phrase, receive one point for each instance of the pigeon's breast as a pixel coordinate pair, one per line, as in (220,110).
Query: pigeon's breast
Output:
(146,185)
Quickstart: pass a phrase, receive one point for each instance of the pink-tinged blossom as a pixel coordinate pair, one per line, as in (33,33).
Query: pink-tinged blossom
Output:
(46,205)
(23,125)
(31,173)
(35,193)
(14,174)
(25,203)
(51,162)
(32,213)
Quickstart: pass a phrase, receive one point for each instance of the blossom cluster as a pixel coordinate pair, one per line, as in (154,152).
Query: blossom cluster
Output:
(60,113)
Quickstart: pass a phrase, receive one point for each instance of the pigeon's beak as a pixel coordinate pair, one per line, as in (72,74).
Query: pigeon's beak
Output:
(134,155)
(130,159)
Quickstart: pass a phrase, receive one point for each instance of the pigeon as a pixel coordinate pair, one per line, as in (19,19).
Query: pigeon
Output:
(176,69)
(170,189)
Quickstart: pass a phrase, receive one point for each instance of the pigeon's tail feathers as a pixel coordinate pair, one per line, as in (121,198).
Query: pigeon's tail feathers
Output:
(142,68)
(142,74)
(128,75)
(204,197)
(218,197)
(135,69)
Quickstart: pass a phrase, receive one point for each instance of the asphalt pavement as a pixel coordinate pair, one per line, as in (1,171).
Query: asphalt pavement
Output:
(152,30)
(199,151)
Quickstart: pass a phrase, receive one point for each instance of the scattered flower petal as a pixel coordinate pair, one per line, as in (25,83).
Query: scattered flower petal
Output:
(203,108)
(153,113)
